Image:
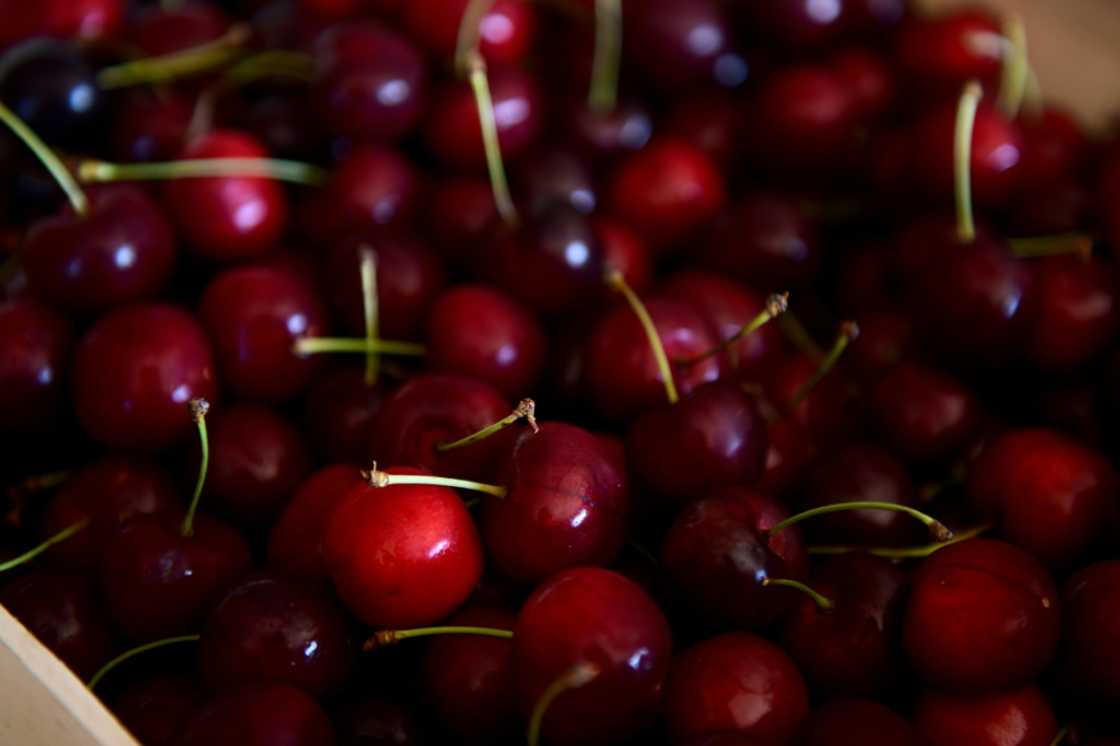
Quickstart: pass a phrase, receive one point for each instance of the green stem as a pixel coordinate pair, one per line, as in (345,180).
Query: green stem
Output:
(848,332)
(575,677)
(799,336)
(271,64)
(603,94)
(480,85)
(294,172)
(97,677)
(31,554)
(370,312)
(919,552)
(618,283)
(819,599)
(937,529)
(526,409)
(185,62)
(1016,68)
(48,158)
(378,478)
(469,31)
(394,636)
(1058,245)
(198,409)
(1060,736)
(776,305)
(962,159)
(320,345)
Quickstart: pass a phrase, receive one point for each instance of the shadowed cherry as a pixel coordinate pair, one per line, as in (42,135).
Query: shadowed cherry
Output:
(339,411)
(463,214)
(162,30)
(941,53)
(262,715)
(155,709)
(857,722)
(555,174)
(678,44)
(295,544)
(373,720)
(150,127)
(606,134)
(870,81)
(1089,661)
(1054,146)
(37,344)
(505,28)
(713,122)
(1074,312)
(1018,717)
(624,252)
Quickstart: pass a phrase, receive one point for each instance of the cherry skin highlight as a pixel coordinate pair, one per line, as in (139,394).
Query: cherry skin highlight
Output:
(1018,717)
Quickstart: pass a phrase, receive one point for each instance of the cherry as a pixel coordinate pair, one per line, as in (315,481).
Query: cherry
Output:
(150,127)
(154,710)
(109,492)
(227,218)
(134,372)
(852,648)
(554,175)
(261,715)
(798,24)
(162,30)
(816,397)
(37,345)
(90,20)
(462,215)
(591,620)
(869,80)
(340,410)
(713,122)
(370,82)
(666,190)
(1089,662)
(452,130)
(63,613)
(624,252)
(682,43)
(1074,313)
(271,630)
(566,504)
(505,28)
(437,409)
(1063,206)
(255,315)
(295,546)
(712,437)
(886,337)
(941,53)
(1054,146)
(469,679)
(718,554)
(923,414)
(605,134)
(735,683)
(373,720)
(982,615)
(1018,717)
(483,333)
(857,722)
(434,562)
(121,251)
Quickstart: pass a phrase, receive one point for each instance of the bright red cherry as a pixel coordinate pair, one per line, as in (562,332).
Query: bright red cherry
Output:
(857,722)
(591,619)
(505,30)
(84,19)
(155,709)
(941,53)
(263,715)
(1018,717)
(735,683)
(1075,311)
(37,345)
(134,373)
(1089,662)
(340,410)
(982,615)
(295,544)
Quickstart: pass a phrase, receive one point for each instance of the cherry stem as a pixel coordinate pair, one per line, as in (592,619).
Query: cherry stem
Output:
(480,84)
(1015,71)
(394,636)
(776,305)
(48,158)
(575,677)
(603,94)
(799,336)
(104,670)
(938,530)
(1064,243)
(39,483)
(1061,736)
(377,478)
(526,409)
(962,159)
(320,345)
(275,63)
(294,172)
(470,29)
(180,64)
(618,283)
(198,409)
(918,552)
(849,331)
(370,311)
(820,599)
(1032,95)
(31,554)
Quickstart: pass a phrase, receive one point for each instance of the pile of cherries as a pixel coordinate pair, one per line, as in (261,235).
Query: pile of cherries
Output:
(815,300)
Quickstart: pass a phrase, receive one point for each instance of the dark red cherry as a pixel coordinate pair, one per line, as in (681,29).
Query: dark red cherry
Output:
(735,684)
(483,333)
(1061,206)
(254,316)
(433,409)
(154,710)
(941,53)
(1074,312)
(587,616)
(462,216)
(1017,717)
(857,722)
(1046,493)
(159,583)
(713,122)
(109,492)
(625,128)
(452,131)
(790,451)
(227,218)
(374,720)
(717,554)
(796,25)
(886,337)
(123,250)
(295,544)
(714,436)
(505,30)
(827,411)
(1089,661)
(555,175)
(621,371)
(263,715)
(1054,146)
(370,82)
(681,43)
(269,630)
(430,556)
(624,252)
(339,411)
(159,31)
(567,504)
(135,371)
(469,679)
(37,345)
(150,126)
(851,649)
(64,614)
(872,17)
(924,414)
(981,615)
(870,81)
(666,190)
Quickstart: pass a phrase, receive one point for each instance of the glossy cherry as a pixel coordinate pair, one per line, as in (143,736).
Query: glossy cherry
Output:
(1018,717)
(295,544)
(135,371)
(857,722)
(554,175)
(1089,662)
(982,615)
(798,25)
(37,345)
(150,127)
(924,414)
(505,30)
(339,411)
(89,20)
(1074,313)
(676,44)
(154,710)
(735,684)
(259,716)
(588,616)
(941,53)
(624,252)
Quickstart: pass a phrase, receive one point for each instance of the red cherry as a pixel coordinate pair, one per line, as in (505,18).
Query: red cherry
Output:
(154,710)
(625,128)
(150,127)
(1054,146)
(942,53)
(295,544)
(134,372)
(790,451)
(1019,717)
(434,563)
(713,122)
(505,30)
(372,719)
(681,43)
(624,252)
(158,30)
(886,337)
(870,81)
(462,215)
(84,19)
(37,344)
(340,410)
(587,616)
(797,24)
(982,615)
(228,218)
(255,315)
(556,175)
(1075,311)
(923,414)
(735,683)
(826,411)
(1089,661)
(261,715)
(1061,206)
(857,722)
